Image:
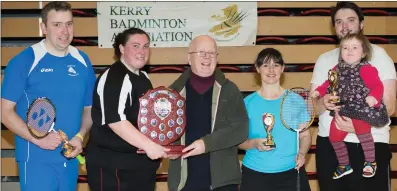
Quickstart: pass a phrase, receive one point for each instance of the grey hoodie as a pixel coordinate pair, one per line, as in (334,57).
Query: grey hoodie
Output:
(229,128)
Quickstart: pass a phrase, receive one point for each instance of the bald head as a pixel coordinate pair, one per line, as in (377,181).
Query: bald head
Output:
(202,40)
(202,56)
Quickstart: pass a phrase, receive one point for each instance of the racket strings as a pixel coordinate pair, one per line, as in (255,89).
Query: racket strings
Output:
(297,109)
(41,115)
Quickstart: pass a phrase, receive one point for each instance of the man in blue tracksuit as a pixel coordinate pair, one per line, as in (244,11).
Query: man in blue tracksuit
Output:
(53,69)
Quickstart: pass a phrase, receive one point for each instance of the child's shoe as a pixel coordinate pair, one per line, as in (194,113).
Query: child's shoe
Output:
(369,169)
(341,171)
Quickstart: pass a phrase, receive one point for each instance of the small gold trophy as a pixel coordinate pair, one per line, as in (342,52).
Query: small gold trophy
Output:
(333,82)
(268,121)
(67,148)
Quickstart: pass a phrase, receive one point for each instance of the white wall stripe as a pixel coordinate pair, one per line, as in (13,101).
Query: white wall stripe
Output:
(40,20)
(40,31)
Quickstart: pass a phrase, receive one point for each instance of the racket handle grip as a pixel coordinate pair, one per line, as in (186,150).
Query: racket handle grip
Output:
(81,159)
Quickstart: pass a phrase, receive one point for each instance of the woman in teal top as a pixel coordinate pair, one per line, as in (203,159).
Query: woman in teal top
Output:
(266,168)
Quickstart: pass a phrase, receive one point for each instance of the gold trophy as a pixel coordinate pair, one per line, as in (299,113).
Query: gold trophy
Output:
(268,121)
(66,147)
(333,83)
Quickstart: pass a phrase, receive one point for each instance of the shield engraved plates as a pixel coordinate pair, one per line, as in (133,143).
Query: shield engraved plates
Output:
(162,117)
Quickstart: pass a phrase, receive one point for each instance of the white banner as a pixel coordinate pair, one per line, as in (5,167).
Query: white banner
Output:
(175,24)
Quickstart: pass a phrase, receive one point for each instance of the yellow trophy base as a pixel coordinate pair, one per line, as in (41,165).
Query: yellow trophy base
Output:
(336,100)
(270,143)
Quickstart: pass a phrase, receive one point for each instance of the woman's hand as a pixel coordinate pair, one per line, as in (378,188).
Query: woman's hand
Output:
(260,145)
(300,160)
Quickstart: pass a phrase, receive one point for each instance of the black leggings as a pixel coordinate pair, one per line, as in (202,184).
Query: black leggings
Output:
(282,181)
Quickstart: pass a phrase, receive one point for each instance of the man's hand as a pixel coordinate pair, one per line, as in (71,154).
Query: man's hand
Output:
(174,156)
(300,160)
(344,123)
(77,145)
(328,105)
(371,101)
(50,142)
(155,151)
(196,148)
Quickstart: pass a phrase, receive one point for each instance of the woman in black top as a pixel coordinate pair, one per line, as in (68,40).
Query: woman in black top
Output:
(112,159)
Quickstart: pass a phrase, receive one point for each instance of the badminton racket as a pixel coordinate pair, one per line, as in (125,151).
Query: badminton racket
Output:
(41,118)
(297,113)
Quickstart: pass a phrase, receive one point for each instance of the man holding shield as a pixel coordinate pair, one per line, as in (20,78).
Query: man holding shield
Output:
(216,122)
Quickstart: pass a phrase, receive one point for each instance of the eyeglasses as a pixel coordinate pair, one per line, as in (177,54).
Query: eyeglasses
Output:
(204,54)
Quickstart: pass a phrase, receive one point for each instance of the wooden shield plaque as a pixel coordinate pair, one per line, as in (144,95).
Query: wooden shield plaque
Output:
(162,117)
